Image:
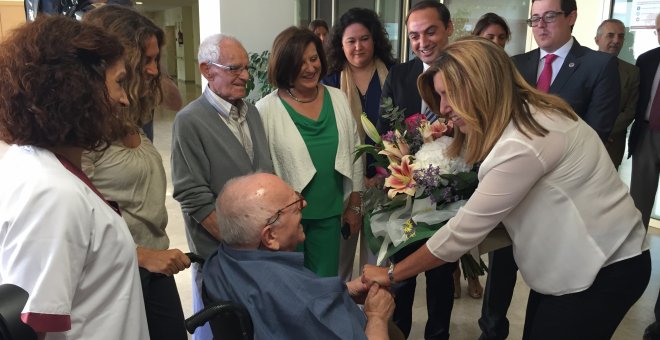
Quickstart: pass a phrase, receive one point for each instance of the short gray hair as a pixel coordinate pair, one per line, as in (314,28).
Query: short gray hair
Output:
(241,217)
(599,31)
(209,49)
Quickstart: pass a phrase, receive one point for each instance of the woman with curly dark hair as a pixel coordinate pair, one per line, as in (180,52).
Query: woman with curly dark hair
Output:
(60,240)
(359,55)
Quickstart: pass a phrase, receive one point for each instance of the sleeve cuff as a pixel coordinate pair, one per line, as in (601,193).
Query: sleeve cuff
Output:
(44,323)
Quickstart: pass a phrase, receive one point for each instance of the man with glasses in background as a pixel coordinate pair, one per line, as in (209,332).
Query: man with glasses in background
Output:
(215,138)
(257,266)
(589,81)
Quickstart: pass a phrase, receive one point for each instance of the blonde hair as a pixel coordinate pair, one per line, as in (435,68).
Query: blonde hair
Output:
(485,89)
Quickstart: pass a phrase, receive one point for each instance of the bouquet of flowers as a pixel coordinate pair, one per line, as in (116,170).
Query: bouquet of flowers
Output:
(423,186)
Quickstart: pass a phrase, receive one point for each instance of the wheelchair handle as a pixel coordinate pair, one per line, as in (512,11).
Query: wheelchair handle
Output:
(195,258)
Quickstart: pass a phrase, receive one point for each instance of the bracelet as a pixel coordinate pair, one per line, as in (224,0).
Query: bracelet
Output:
(355,209)
(390,274)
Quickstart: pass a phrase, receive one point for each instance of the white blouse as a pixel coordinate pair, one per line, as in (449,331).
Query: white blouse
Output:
(135,179)
(561,201)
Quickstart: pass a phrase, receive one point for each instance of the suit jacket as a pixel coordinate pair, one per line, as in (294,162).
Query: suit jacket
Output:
(401,86)
(629,75)
(648,65)
(588,80)
(205,155)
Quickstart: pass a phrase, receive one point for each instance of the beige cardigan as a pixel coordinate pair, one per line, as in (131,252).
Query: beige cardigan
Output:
(288,151)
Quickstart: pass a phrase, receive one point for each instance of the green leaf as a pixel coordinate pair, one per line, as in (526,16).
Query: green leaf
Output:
(361,149)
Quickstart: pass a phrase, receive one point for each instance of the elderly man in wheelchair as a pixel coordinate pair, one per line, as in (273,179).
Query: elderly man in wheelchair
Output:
(256,268)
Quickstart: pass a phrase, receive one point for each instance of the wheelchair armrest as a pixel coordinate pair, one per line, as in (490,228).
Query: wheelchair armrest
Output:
(12,301)
(225,316)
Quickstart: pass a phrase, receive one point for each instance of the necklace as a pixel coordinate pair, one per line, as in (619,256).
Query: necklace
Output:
(301,100)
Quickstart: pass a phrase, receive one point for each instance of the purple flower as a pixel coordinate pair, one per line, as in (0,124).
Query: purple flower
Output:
(389,136)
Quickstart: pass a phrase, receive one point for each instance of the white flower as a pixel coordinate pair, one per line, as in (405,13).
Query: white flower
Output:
(434,153)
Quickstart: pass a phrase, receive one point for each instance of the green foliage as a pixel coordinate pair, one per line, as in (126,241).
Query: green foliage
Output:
(471,268)
(392,114)
(258,71)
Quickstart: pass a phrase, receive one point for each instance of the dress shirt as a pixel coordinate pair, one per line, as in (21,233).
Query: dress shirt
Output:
(561,54)
(654,89)
(424,105)
(234,117)
(561,201)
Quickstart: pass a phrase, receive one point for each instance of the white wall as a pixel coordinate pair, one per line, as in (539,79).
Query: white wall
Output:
(195,23)
(254,22)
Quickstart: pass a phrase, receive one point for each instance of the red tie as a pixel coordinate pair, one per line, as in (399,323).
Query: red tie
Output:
(654,114)
(546,74)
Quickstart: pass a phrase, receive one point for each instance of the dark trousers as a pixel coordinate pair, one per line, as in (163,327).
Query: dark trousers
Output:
(657,308)
(591,314)
(501,281)
(163,307)
(439,297)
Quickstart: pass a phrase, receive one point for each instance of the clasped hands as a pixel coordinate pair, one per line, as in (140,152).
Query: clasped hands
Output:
(375,275)
(378,301)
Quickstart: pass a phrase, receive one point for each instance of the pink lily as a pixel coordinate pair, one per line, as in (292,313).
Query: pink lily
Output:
(431,132)
(403,145)
(395,150)
(401,180)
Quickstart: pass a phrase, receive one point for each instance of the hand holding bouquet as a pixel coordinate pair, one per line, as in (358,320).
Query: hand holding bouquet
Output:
(424,187)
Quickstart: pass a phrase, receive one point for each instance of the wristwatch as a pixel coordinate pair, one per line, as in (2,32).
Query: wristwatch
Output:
(390,273)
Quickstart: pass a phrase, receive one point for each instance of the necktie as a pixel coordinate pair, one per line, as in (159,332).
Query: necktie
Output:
(654,114)
(545,79)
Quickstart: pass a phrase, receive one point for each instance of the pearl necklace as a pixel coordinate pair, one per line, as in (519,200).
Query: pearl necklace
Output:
(301,100)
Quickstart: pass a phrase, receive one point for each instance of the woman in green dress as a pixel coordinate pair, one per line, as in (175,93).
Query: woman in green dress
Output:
(312,135)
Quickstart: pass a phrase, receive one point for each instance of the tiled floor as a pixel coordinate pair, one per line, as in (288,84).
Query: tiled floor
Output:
(466,310)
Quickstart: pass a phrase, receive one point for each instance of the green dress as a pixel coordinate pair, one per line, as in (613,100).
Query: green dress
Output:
(324,193)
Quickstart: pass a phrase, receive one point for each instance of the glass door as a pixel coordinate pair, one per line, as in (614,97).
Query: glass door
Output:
(639,18)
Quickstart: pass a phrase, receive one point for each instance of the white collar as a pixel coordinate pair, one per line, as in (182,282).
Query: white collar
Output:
(223,106)
(560,52)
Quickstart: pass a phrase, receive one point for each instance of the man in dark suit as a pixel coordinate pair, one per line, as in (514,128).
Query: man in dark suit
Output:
(610,36)
(429,27)
(644,147)
(589,81)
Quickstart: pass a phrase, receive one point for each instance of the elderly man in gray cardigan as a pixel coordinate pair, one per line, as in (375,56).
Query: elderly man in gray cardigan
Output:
(215,138)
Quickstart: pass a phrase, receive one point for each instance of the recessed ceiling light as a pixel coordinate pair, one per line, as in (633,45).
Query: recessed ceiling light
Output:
(138,2)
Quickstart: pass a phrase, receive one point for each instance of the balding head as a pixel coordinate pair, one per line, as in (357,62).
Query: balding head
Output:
(247,204)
